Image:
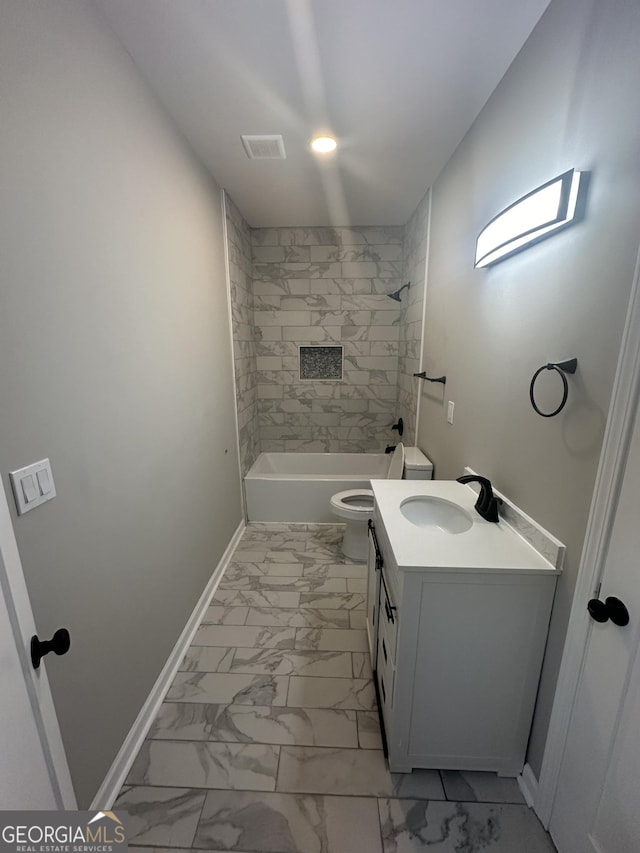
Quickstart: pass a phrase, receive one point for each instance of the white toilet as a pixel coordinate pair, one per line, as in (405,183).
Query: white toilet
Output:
(355,506)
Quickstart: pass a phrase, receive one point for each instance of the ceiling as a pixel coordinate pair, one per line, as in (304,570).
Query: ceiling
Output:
(398,82)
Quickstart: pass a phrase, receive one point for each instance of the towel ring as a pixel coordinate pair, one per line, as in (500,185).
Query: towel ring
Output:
(561,367)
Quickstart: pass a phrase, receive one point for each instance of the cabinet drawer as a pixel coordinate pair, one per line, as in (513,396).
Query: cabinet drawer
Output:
(385,676)
(393,577)
(388,614)
(386,652)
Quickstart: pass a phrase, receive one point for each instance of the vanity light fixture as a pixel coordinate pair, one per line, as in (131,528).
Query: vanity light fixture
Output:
(323,144)
(533,217)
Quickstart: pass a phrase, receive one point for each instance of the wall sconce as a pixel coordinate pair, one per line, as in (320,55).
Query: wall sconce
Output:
(533,217)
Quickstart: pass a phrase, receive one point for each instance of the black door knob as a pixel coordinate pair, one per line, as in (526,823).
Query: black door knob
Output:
(598,610)
(60,643)
(611,608)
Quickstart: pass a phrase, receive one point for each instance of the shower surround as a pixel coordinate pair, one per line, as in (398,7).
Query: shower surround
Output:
(322,286)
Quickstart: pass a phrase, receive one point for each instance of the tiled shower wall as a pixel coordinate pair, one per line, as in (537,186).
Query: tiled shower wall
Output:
(244,337)
(327,286)
(415,259)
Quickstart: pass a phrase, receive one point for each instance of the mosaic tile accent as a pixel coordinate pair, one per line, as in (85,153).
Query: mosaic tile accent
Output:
(321,362)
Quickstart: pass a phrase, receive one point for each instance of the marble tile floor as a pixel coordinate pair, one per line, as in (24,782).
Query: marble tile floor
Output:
(268,739)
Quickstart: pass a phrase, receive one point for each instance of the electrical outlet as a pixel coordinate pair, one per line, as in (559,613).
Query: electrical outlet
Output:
(450,407)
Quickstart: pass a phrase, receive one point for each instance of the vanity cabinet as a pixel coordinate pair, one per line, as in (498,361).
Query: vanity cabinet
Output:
(456,656)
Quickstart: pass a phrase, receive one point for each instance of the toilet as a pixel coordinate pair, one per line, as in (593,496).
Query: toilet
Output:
(355,506)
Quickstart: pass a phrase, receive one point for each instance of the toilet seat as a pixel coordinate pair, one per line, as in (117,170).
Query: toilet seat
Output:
(352,503)
(355,506)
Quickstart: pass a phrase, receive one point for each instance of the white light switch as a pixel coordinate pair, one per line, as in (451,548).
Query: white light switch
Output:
(32,485)
(44,482)
(28,488)
(450,408)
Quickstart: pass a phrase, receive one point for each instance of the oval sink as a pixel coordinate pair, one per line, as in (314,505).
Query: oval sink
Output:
(427,511)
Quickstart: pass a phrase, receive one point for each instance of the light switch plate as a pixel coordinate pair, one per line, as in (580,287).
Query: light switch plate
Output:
(450,408)
(32,485)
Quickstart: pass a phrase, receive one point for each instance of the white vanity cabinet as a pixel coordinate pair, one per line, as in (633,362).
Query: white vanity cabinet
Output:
(457,655)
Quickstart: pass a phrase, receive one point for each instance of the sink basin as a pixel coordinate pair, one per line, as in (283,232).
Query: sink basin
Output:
(427,511)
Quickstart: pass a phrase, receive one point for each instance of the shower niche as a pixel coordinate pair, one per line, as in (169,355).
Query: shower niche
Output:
(321,362)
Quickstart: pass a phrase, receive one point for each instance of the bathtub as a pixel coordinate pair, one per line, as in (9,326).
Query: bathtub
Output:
(298,486)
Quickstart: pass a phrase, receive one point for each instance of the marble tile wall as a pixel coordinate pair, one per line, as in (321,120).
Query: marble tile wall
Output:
(414,270)
(244,336)
(327,286)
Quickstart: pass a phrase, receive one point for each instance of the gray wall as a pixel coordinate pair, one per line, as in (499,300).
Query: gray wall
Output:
(570,99)
(116,363)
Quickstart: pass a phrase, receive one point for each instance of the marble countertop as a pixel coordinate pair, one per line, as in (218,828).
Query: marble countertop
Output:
(486,546)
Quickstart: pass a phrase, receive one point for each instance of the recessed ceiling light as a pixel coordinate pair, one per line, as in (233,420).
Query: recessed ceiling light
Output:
(323,144)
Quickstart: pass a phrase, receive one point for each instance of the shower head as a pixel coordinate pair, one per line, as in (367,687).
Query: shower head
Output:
(396,293)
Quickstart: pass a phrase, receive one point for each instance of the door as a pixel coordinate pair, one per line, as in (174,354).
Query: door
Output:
(33,772)
(596,804)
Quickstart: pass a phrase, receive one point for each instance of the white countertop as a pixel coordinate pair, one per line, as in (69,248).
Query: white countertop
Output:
(486,546)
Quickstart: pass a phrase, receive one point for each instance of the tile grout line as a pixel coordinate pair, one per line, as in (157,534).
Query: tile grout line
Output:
(522,806)
(204,802)
(380,822)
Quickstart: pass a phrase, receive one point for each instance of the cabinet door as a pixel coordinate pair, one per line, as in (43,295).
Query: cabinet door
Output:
(373,599)
(387,612)
(384,674)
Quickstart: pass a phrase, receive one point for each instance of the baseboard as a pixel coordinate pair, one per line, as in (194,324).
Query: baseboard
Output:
(118,771)
(528,785)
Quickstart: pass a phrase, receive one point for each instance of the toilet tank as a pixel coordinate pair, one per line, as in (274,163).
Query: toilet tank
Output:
(416,465)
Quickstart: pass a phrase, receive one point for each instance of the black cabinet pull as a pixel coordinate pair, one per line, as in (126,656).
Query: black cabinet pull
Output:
(384,651)
(376,547)
(388,610)
(388,607)
(60,643)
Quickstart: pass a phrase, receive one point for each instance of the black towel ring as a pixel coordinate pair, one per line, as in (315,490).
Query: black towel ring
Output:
(561,367)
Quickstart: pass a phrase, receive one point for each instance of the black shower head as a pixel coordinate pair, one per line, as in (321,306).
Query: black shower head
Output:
(396,293)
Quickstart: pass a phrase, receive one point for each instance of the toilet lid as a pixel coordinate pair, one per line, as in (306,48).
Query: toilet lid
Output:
(360,500)
(396,466)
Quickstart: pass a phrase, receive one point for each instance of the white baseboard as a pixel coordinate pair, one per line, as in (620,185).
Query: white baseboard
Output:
(118,771)
(528,785)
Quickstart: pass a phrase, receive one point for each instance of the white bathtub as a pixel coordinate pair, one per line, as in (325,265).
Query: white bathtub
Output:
(299,486)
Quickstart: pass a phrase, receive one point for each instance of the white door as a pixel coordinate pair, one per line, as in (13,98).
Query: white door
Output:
(33,771)
(597,804)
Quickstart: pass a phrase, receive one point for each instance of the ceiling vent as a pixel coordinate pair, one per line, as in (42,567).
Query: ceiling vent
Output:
(264,147)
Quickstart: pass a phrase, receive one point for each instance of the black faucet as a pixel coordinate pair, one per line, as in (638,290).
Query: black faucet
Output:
(487,503)
(399,426)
